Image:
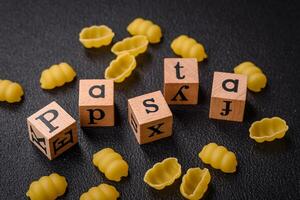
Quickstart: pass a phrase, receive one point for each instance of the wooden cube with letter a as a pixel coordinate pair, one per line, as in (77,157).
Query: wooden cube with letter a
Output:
(96,102)
(228,97)
(52,130)
(150,117)
(181,80)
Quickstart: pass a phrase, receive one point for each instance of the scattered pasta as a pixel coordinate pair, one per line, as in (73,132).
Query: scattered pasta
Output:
(163,173)
(47,187)
(101,192)
(256,78)
(57,75)
(140,26)
(188,48)
(268,129)
(219,157)
(120,68)
(10,91)
(111,164)
(96,36)
(133,45)
(195,183)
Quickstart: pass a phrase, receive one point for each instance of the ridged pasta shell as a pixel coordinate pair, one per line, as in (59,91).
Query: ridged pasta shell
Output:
(132,45)
(10,91)
(163,173)
(120,68)
(101,192)
(96,36)
(195,183)
(268,129)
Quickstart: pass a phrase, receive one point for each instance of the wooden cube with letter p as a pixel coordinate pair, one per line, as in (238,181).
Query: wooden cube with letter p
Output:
(181,80)
(96,102)
(52,130)
(150,117)
(228,97)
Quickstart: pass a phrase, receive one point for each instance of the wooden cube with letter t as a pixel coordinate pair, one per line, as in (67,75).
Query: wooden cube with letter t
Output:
(96,102)
(52,130)
(181,80)
(150,117)
(228,97)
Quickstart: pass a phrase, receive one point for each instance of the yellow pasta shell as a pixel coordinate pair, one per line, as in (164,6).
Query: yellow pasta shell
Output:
(57,75)
(120,68)
(10,91)
(268,129)
(163,173)
(101,192)
(256,78)
(96,36)
(133,45)
(195,183)
(218,157)
(188,48)
(47,187)
(140,26)
(111,164)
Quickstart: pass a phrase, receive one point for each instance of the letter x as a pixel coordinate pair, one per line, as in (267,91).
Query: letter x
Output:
(155,129)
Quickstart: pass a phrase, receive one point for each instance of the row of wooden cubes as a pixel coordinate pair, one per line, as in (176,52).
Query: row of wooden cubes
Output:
(54,131)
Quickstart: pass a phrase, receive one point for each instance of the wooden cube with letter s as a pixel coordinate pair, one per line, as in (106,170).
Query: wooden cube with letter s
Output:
(228,96)
(150,117)
(52,130)
(96,102)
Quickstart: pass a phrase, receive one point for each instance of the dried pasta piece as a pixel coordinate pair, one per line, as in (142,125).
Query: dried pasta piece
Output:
(163,173)
(120,68)
(133,45)
(140,26)
(111,164)
(10,91)
(56,76)
(96,36)
(101,192)
(256,78)
(268,129)
(47,187)
(188,48)
(219,157)
(195,183)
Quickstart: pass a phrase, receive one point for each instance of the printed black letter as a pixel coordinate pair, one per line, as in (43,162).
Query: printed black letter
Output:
(180,93)
(177,67)
(102,91)
(48,122)
(150,105)
(235,85)
(227,109)
(93,117)
(155,129)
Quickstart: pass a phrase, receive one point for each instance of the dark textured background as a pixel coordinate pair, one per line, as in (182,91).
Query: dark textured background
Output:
(37,34)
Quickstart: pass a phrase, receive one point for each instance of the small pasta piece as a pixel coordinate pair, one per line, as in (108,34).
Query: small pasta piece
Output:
(11,92)
(101,192)
(218,157)
(120,68)
(188,48)
(132,45)
(195,183)
(96,36)
(111,164)
(256,78)
(163,173)
(268,129)
(140,26)
(47,187)
(56,76)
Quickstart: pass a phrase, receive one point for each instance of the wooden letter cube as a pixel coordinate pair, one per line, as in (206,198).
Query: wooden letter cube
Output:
(228,96)
(150,117)
(96,102)
(181,80)
(52,130)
